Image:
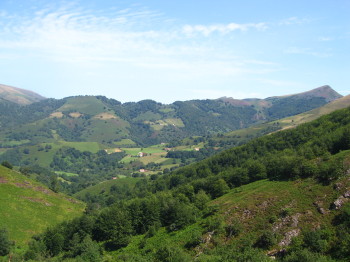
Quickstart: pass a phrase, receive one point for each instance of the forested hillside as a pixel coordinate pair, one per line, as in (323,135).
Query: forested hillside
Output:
(38,133)
(107,121)
(286,190)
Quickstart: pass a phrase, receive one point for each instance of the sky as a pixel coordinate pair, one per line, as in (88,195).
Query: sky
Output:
(174,50)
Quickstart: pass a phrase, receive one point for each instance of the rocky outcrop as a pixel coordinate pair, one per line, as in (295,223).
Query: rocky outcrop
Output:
(287,239)
(340,201)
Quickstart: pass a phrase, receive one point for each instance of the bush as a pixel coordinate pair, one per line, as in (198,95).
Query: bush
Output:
(286,212)
(306,256)
(5,243)
(317,241)
(170,253)
(266,240)
(7,164)
(234,228)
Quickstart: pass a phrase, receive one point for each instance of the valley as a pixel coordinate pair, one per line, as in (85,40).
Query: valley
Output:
(88,178)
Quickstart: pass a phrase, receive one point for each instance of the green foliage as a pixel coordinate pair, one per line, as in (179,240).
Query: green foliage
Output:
(171,254)
(286,212)
(266,240)
(234,228)
(306,256)
(54,184)
(89,250)
(293,105)
(5,243)
(54,241)
(201,199)
(114,226)
(7,164)
(36,251)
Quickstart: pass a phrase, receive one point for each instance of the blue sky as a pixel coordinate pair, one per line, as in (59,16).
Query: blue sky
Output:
(174,50)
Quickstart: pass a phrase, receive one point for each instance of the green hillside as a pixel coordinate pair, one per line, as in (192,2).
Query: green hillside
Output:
(28,207)
(287,209)
(285,195)
(107,121)
(241,136)
(36,134)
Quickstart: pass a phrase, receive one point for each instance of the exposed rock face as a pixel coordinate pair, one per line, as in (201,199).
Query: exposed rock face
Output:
(291,221)
(288,237)
(320,208)
(340,201)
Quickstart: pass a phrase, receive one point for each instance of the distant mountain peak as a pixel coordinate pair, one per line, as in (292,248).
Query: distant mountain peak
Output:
(18,95)
(323,91)
(326,92)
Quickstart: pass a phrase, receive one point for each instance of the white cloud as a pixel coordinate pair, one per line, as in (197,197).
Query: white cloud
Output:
(207,30)
(308,51)
(294,21)
(87,38)
(325,39)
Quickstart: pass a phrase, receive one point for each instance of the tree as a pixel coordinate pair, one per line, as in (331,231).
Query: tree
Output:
(201,199)
(90,250)
(113,225)
(7,164)
(218,188)
(5,243)
(54,184)
(54,241)
(266,240)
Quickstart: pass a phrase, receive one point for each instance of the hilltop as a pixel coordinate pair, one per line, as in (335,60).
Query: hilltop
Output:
(18,95)
(110,123)
(241,136)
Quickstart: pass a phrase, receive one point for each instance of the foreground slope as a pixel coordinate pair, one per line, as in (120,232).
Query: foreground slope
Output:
(284,210)
(28,207)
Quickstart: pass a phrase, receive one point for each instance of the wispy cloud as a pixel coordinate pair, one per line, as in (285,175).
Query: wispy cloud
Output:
(127,36)
(279,83)
(294,21)
(308,51)
(207,30)
(325,39)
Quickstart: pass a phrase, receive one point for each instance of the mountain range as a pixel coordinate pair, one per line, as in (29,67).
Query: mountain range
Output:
(144,123)
(282,196)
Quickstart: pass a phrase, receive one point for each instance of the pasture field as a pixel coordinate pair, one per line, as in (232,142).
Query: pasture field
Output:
(124,142)
(105,186)
(29,207)
(39,153)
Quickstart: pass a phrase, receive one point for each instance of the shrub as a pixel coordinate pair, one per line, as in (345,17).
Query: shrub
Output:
(234,228)
(266,240)
(5,243)
(7,164)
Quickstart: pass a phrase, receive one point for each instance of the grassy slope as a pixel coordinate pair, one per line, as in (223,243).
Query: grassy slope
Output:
(105,186)
(28,207)
(44,157)
(253,205)
(296,120)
